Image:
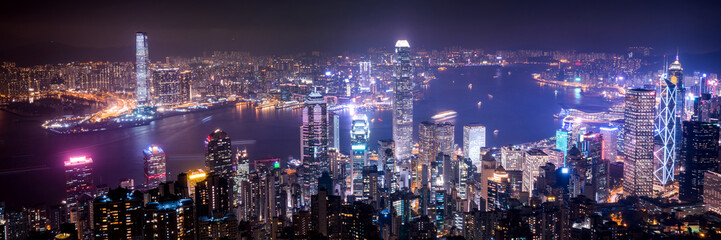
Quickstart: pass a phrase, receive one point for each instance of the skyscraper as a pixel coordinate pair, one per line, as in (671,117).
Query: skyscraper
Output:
(78,179)
(118,215)
(427,148)
(562,141)
(314,131)
(610,143)
(169,220)
(359,144)
(172,87)
(314,136)
(219,155)
(154,158)
(142,62)
(445,136)
(638,142)
(668,125)
(699,153)
(403,101)
(474,138)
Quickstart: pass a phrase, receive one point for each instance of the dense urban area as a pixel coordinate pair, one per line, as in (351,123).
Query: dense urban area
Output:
(645,165)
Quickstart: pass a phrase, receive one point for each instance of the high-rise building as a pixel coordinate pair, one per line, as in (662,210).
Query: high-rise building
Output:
(314,131)
(360,131)
(212,197)
(403,101)
(78,178)
(512,158)
(219,155)
(427,144)
(169,220)
(171,86)
(154,158)
(498,191)
(445,138)
(118,215)
(699,153)
(474,138)
(712,191)
(562,141)
(668,125)
(610,143)
(534,159)
(639,114)
(142,63)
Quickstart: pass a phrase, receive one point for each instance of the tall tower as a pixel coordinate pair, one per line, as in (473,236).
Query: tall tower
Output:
(142,61)
(699,152)
(669,114)
(445,138)
(314,137)
(474,138)
(638,142)
(403,101)
(154,158)
(78,178)
(359,143)
(314,132)
(219,155)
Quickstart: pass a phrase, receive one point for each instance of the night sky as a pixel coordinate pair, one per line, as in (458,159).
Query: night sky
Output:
(104,30)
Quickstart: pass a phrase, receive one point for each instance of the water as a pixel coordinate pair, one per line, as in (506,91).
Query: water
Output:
(31,168)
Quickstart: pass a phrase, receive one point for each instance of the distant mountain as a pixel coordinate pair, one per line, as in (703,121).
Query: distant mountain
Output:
(50,52)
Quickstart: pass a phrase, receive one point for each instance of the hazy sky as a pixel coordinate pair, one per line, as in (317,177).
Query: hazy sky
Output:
(291,26)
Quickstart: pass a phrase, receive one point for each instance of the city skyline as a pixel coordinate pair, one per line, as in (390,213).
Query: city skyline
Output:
(356,120)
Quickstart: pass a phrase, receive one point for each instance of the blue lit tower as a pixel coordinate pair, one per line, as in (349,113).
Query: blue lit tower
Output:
(154,158)
(141,67)
(669,112)
(403,101)
(359,134)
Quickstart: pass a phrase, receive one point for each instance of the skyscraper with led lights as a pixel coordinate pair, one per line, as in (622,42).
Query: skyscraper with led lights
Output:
(78,178)
(403,100)
(474,138)
(359,134)
(154,158)
(142,62)
(639,114)
(219,155)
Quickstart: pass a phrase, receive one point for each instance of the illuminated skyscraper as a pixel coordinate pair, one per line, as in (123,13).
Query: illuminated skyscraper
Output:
(219,155)
(403,101)
(610,143)
(314,138)
(154,158)
(668,124)
(427,144)
(169,220)
(474,138)
(445,138)
(142,62)
(314,132)
(78,178)
(118,215)
(638,142)
(562,141)
(699,153)
(172,87)
(359,134)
